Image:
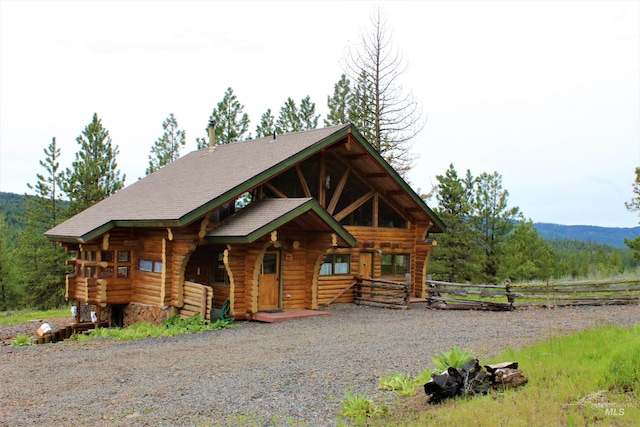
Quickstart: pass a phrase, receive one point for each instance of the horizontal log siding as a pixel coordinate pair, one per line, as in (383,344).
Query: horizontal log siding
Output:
(237,264)
(146,286)
(220,294)
(183,244)
(296,286)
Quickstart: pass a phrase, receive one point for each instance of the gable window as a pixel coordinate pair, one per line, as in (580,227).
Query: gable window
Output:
(335,264)
(394,265)
(389,217)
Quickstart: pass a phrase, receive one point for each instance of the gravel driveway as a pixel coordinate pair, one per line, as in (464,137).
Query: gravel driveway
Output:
(294,372)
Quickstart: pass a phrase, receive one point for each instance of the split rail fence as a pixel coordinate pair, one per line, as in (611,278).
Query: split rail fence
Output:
(382,293)
(461,296)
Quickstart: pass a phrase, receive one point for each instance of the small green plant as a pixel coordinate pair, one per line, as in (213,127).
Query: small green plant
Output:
(392,382)
(360,407)
(454,358)
(423,377)
(22,339)
(401,383)
(407,387)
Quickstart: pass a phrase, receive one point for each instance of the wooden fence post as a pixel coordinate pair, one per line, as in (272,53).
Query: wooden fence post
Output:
(507,289)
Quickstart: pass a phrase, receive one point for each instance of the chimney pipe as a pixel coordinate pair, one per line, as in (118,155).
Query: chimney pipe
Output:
(212,134)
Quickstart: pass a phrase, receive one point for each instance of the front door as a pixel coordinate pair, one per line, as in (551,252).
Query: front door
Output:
(366,264)
(269,282)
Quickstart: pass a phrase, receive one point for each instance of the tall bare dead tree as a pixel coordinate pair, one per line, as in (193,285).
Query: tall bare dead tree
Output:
(391,115)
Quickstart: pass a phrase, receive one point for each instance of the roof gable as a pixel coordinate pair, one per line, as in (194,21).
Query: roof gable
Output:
(267,215)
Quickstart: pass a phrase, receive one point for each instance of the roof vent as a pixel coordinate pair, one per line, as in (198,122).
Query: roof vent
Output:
(274,137)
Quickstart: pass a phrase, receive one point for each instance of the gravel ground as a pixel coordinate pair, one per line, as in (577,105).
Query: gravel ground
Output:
(294,372)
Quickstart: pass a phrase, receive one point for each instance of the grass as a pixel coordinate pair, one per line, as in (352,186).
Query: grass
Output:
(586,378)
(8,318)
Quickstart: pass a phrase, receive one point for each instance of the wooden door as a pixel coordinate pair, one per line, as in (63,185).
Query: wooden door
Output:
(366,264)
(269,282)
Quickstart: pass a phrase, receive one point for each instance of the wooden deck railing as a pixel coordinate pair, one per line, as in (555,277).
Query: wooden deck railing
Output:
(463,296)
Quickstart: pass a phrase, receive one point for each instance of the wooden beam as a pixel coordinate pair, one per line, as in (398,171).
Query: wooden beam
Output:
(275,190)
(353,206)
(376,175)
(376,204)
(322,194)
(356,156)
(338,192)
(303,182)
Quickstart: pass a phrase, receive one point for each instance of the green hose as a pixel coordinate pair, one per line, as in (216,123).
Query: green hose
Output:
(224,312)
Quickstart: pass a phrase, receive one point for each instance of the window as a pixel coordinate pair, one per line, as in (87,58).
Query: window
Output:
(145,265)
(123,256)
(157,267)
(123,272)
(107,272)
(394,264)
(150,266)
(334,264)
(219,272)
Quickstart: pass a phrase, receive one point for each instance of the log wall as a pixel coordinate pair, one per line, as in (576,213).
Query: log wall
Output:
(198,299)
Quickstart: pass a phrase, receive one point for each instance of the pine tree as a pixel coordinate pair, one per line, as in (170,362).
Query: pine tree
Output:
(289,118)
(362,112)
(231,123)
(338,104)
(455,258)
(307,114)
(492,219)
(526,255)
(94,174)
(634,206)
(41,264)
(267,125)
(167,148)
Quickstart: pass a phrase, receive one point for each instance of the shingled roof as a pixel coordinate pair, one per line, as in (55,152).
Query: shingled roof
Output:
(266,215)
(185,190)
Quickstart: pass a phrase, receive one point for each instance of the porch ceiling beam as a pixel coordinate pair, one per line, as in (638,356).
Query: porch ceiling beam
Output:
(376,175)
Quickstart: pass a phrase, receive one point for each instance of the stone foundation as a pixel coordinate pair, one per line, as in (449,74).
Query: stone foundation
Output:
(136,313)
(126,314)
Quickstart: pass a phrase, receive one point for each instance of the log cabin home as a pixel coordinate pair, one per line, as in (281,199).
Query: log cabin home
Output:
(271,224)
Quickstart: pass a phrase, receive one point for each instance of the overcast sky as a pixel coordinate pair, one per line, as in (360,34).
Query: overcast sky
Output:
(546,93)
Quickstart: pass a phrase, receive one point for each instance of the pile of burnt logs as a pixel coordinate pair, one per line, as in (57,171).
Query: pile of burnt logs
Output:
(471,379)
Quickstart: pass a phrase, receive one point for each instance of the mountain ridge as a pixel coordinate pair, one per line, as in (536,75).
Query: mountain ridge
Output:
(613,236)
